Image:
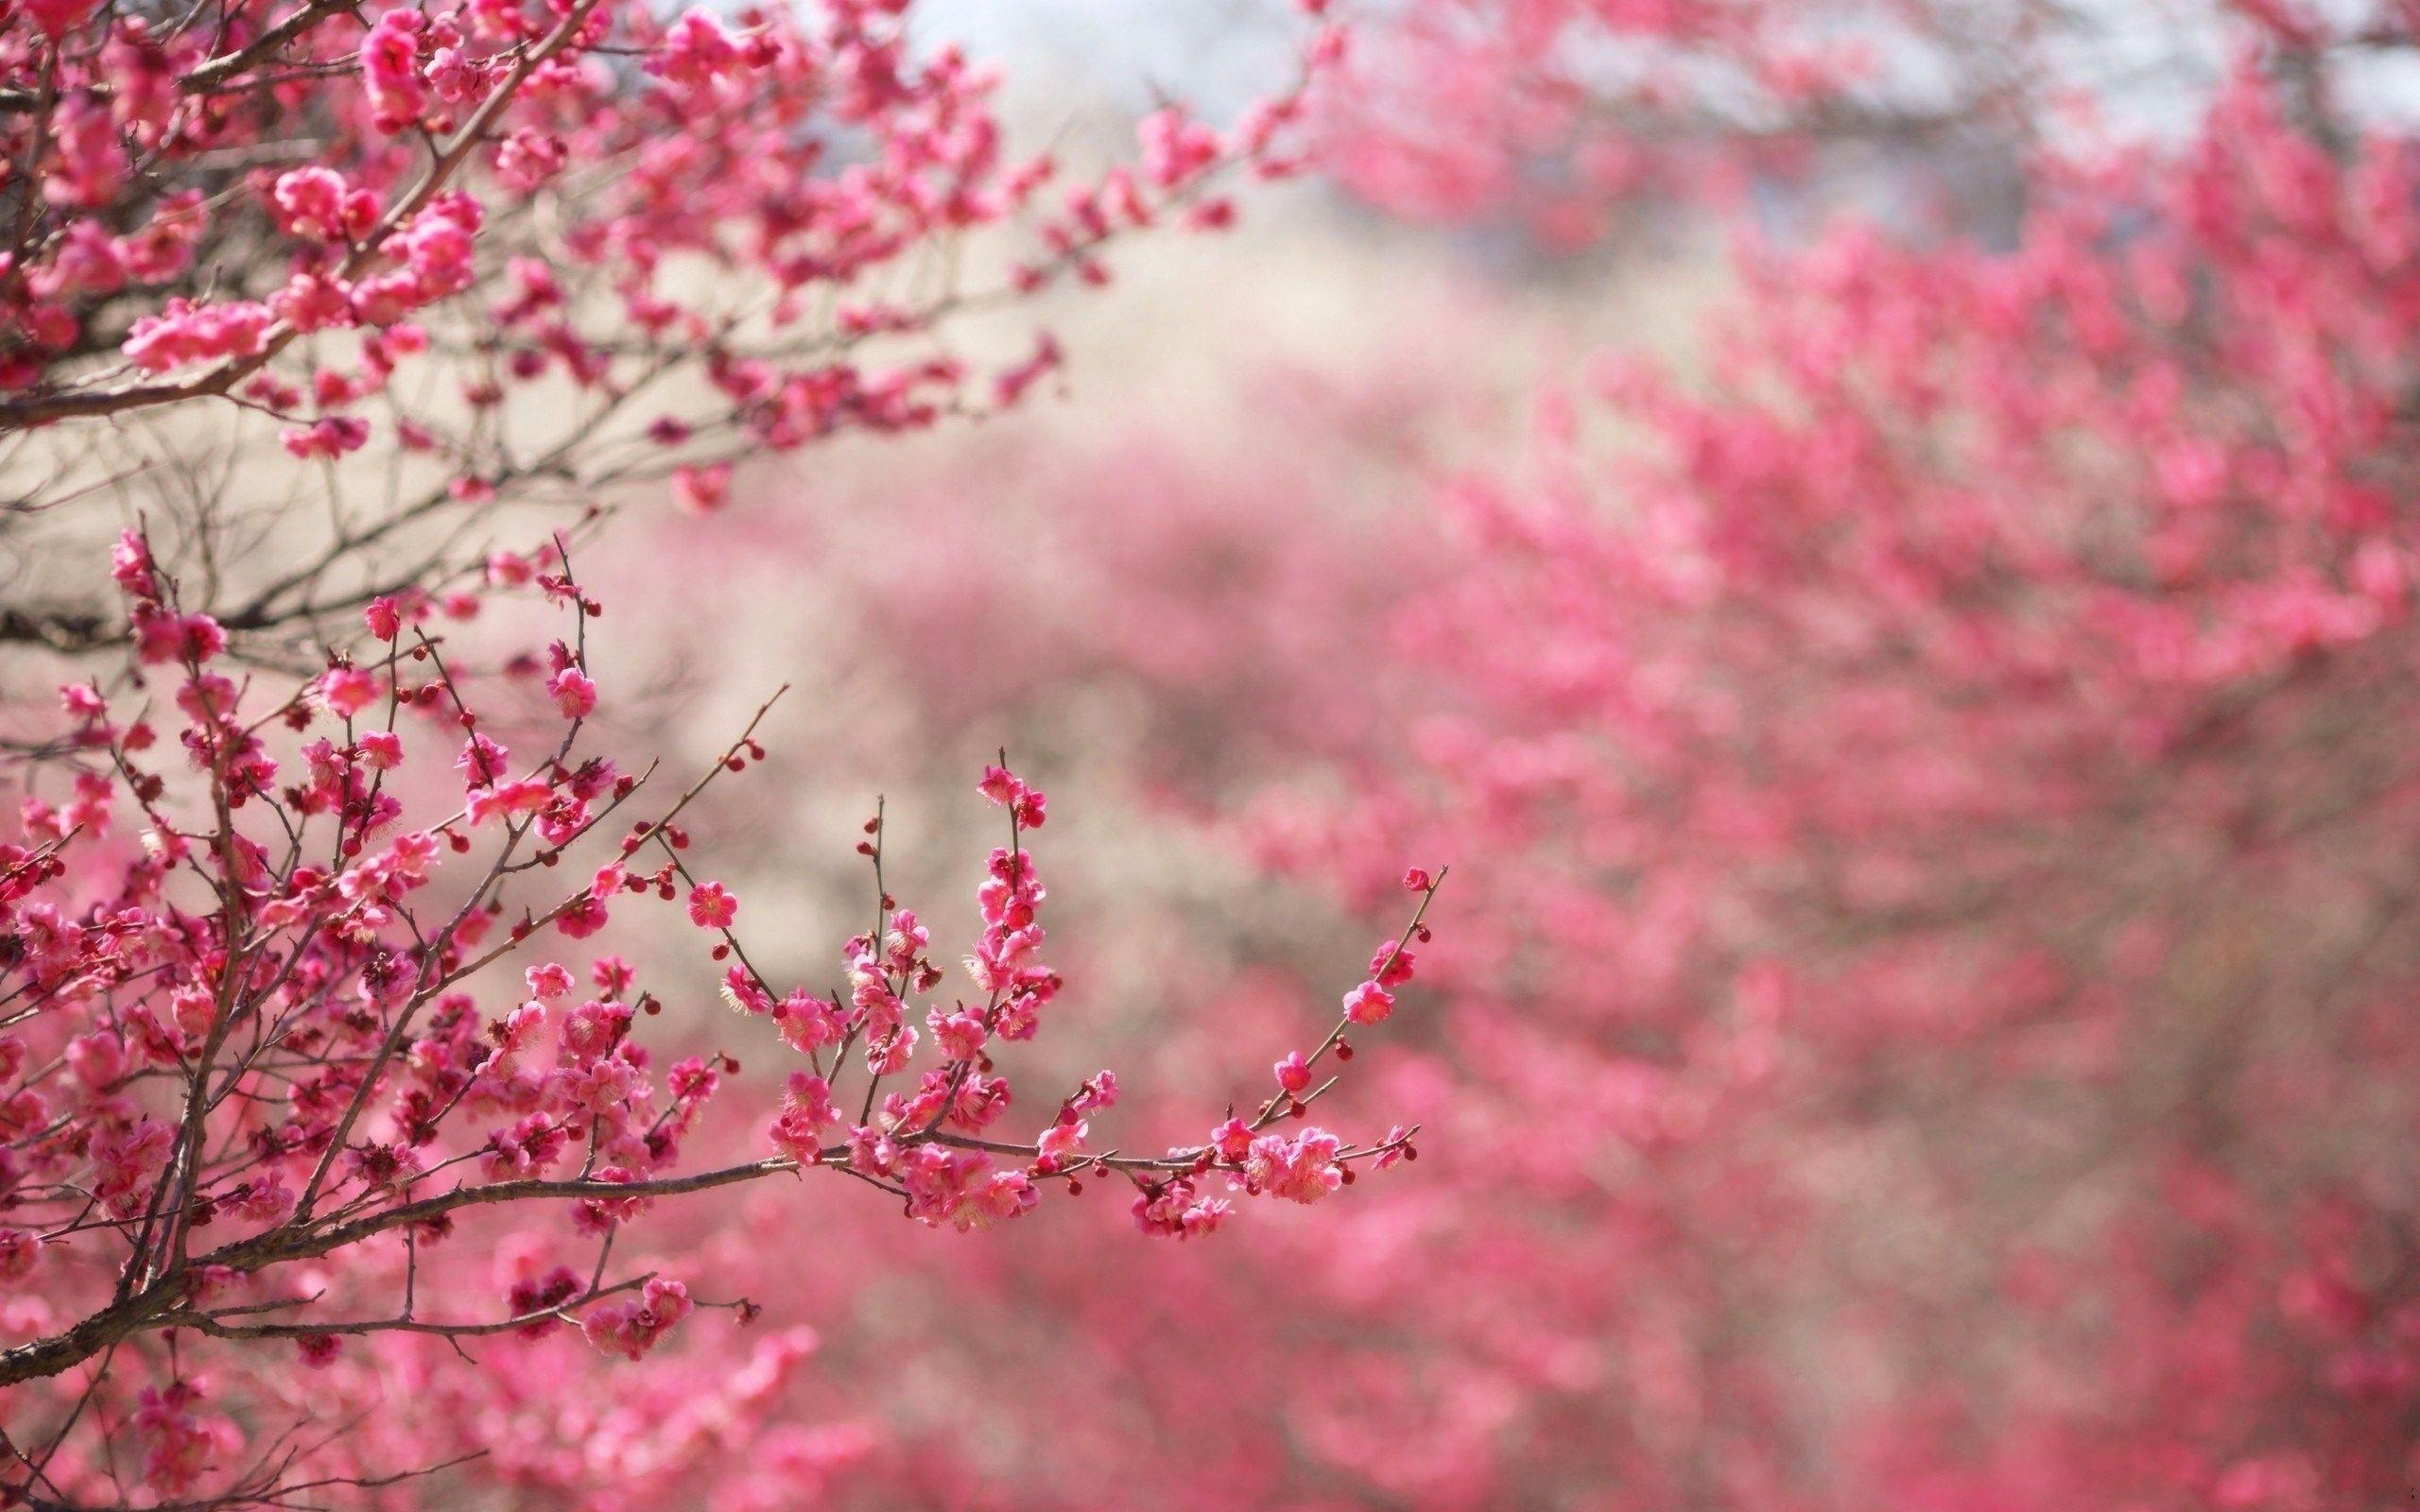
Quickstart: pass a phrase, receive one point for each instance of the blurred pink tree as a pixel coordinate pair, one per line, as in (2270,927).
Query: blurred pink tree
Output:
(1939,814)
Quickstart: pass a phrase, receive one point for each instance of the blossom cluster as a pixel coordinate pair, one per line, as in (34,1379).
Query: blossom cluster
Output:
(483,253)
(717,150)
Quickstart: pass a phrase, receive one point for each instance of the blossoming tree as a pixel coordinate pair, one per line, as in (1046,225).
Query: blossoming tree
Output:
(306,974)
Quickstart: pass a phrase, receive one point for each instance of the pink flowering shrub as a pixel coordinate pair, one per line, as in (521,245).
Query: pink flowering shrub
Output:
(1947,805)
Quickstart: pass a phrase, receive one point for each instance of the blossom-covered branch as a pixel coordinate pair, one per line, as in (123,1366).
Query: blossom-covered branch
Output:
(266,1017)
(479,254)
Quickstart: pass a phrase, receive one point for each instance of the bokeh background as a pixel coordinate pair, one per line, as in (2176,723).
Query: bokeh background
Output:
(1890,586)
(1921,1014)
